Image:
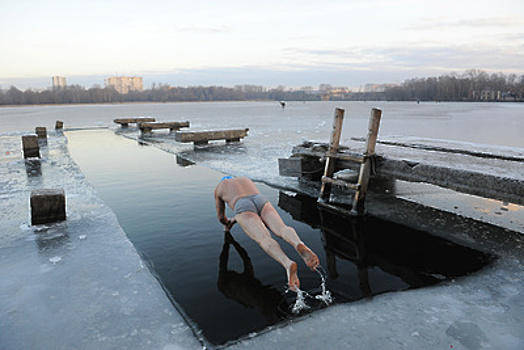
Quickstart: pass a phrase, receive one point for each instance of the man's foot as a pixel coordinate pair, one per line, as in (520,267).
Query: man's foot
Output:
(310,258)
(292,277)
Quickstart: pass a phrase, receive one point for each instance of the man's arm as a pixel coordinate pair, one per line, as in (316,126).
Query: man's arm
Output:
(221,210)
(221,213)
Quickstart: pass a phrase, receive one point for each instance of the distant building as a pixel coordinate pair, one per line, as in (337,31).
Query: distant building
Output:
(59,82)
(328,92)
(490,95)
(377,87)
(125,84)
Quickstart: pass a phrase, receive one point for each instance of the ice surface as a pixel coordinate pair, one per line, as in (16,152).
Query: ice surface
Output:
(481,311)
(502,151)
(94,298)
(76,284)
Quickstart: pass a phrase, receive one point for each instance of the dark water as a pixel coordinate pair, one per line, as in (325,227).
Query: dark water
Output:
(226,284)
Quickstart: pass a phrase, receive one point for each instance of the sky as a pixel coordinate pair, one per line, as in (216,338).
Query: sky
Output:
(293,43)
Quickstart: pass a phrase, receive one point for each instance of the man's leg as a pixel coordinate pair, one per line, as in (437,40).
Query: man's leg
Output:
(257,231)
(275,223)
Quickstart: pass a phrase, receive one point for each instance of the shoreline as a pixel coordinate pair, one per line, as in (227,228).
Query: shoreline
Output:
(257,100)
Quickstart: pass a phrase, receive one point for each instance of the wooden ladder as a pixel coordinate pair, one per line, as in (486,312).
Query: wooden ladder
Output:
(365,160)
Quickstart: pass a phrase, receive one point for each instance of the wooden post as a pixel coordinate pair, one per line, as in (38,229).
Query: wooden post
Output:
(30,146)
(334,142)
(365,169)
(41,133)
(47,205)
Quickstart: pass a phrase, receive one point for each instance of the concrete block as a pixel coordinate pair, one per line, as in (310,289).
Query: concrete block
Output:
(41,132)
(47,205)
(30,146)
(290,166)
(305,167)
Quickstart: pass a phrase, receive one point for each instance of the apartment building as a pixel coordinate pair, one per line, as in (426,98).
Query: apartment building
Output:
(59,82)
(125,84)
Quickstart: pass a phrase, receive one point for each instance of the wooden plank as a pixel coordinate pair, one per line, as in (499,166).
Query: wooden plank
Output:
(335,208)
(365,169)
(126,121)
(149,126)
(340,183)
(338,119)
(347,157)
(202,137)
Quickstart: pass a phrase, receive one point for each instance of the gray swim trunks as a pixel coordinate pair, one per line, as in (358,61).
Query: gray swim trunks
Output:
(253,203)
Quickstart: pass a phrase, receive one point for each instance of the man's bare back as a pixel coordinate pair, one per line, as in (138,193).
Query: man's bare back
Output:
(232,190)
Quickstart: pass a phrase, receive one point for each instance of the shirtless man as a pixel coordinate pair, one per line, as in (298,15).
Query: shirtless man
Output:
(256,215)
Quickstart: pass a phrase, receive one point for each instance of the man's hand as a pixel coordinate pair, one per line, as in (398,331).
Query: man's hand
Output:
(229,225)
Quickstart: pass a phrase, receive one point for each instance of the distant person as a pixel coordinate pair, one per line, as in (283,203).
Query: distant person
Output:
(256,215)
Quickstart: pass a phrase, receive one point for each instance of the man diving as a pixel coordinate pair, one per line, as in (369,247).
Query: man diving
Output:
(257,216)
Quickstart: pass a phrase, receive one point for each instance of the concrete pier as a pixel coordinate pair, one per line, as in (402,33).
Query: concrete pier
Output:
(498,175)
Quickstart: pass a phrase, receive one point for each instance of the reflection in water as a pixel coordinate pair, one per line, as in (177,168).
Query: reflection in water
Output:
(383,255)
(244,287)
(352,248)
(33,167)
(51,239)
(183,161)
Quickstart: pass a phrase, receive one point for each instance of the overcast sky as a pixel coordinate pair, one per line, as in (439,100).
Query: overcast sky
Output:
(228,42)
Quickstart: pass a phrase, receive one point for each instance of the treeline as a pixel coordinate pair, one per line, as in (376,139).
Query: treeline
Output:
(473,85)
(158,93)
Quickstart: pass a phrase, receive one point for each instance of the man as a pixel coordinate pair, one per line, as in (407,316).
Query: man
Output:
(256,215)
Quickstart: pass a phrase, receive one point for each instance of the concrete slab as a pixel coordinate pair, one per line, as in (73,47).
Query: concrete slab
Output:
(474,172)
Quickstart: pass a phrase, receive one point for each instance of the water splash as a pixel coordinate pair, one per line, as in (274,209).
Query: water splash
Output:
(325,297)
(300,303)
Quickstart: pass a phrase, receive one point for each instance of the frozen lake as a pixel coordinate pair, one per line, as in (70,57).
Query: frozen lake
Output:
(485,123)
(274,131)
(482,310)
